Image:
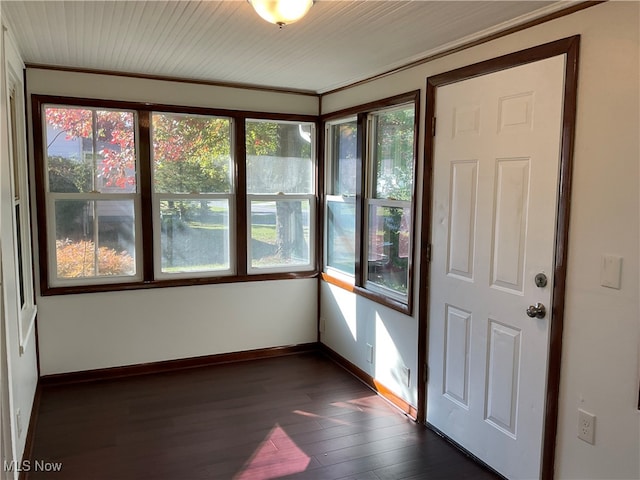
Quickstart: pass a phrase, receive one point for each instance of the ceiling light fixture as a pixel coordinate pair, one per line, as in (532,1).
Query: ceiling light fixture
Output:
(281,12)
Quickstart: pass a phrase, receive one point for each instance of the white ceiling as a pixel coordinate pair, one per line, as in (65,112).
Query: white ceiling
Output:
(337,43)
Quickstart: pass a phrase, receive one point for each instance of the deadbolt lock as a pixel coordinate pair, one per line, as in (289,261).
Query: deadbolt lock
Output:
(541,280)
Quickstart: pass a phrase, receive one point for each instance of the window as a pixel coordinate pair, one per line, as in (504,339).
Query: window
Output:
(280,195)
(135,195)
(390,160)
(20,218)
(193,195)
(340,206)
(92,196)
(368,199)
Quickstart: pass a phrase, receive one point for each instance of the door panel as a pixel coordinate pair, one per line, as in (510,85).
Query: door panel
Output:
(495,193)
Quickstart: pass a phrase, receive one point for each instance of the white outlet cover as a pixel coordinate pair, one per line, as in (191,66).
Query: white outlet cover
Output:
(611,271)
(19,422)
(369,353)
(586,426)
(406,376)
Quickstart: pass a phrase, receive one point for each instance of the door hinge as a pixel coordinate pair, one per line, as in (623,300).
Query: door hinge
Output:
(426,374)
(433,127)
(428,252)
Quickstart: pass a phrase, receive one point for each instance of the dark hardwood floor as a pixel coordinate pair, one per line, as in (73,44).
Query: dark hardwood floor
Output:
(293,417)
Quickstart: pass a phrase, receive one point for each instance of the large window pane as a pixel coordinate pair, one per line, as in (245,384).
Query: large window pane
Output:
(90,150)
(194,235)
(341,235)
(393,154)
(279,157)
(388,247)
(344,152)
(94,238)
(20,259)
(191,153)
(280,233)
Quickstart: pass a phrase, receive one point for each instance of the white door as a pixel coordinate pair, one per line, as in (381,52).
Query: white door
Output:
(495,186)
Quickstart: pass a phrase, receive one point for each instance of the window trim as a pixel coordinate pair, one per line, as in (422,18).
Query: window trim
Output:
(336,198)
(149,278)
(97,196)
(359,284)
(158,197)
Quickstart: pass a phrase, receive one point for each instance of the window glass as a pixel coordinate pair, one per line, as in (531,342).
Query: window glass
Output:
(342,149)
(392,155)
(94,238)
(279,157)
(344,143)
(20,255)
(388,247)
(90,150)
(279,233)
(341,236)
(191,153)
(194,235)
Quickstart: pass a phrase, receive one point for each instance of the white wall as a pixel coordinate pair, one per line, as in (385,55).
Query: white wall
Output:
(110,87)
(600,364)
(22,372)
(99,330)
(352,322)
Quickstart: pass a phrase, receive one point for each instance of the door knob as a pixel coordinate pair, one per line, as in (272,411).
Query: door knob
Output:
(537,311)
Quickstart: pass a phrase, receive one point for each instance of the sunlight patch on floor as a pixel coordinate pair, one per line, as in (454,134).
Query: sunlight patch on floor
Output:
(270,462)
(336,421)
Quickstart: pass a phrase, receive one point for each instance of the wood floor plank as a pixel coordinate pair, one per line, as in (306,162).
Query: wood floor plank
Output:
(299,417)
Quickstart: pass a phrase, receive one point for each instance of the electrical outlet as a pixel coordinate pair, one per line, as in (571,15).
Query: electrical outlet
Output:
(369,353)
(405,373)
(586,426)
(19,422)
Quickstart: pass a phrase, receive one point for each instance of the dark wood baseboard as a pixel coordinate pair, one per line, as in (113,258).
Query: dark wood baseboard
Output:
(172,365)
(217,359)
(27,454)
(371,382)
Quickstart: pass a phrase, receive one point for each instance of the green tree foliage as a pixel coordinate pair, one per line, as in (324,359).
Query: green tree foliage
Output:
(395,154)
(191,154)
(262,138)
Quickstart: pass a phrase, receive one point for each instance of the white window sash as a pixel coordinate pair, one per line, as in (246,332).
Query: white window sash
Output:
(157,234)
(311,199)
(334,272)
(56,281)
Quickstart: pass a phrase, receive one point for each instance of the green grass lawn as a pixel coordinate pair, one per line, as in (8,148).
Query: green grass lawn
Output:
(264,233)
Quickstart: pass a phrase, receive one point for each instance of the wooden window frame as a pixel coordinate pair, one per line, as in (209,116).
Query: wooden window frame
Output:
(161,196)
(359,285)
(240,203)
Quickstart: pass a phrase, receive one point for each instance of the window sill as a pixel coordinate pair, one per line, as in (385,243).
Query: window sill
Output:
(177,282)
(389,302)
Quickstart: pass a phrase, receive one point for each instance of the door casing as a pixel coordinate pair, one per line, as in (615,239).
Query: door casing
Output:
(567,46)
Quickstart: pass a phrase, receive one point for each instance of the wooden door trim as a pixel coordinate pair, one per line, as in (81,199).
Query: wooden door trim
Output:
(567,46)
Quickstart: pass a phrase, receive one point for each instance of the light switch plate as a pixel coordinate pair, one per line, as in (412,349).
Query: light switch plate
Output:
(611,270)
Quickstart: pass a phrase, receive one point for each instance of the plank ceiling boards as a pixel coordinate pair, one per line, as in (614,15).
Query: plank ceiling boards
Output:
(337,43)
